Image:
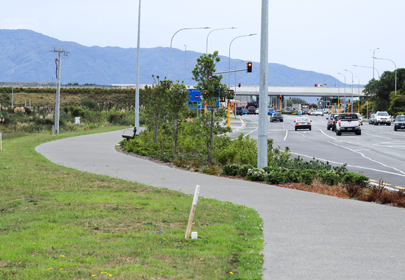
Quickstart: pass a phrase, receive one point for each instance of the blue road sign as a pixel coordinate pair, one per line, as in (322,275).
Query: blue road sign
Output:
(194,95)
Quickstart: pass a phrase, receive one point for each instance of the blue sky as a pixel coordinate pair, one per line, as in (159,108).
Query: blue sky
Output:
(323,36)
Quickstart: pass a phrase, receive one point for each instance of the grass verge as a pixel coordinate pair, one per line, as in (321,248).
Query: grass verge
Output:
(59,223)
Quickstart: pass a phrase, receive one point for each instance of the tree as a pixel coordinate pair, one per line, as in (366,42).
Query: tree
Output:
(176,96)
(379,91)
(203,74)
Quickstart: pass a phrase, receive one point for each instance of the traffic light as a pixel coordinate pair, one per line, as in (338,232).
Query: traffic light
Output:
(249,67)
(222,99)
(230,94)
(239,84)
(290,97)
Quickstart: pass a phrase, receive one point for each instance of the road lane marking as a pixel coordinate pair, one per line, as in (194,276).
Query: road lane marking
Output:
(355,166)
(286,132)
(371,180)
(354,151)
(399,187)
(374,135)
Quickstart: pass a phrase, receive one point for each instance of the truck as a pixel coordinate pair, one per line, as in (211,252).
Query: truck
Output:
(347,123)
(297,107)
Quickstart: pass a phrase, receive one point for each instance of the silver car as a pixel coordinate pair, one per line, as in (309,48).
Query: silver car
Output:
(371,119)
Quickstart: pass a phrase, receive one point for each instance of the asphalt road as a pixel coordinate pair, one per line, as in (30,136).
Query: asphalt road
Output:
(379,153)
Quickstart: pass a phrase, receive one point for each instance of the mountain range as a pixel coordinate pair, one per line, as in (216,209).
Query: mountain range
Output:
(28,52)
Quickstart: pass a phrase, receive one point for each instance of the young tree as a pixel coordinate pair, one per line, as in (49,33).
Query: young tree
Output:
(177,96)
(212,87)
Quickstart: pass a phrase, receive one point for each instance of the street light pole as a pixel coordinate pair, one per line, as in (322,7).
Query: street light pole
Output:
(12,89)
(138,51)
(171,42)
(374,59)
(262,158)
(378,72)
(229,58)
(395,71)
(206,44)
(352,88)
(345,85)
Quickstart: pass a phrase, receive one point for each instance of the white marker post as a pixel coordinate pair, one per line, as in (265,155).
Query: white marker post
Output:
(1,143)
(192,212)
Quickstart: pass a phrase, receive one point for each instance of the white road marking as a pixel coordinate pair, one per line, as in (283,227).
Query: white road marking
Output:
(374,135)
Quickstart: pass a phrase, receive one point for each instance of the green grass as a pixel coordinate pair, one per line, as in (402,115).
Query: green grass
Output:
(59,223)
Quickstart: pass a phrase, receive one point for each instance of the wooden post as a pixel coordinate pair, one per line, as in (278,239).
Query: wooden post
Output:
(229,115)
(1,143)
(192,212)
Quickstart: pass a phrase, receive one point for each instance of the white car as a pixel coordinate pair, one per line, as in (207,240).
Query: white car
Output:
(360,118)
(382,117)
(318,112)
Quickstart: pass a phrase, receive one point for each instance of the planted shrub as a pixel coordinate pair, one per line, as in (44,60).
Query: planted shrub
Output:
(244,169)
(275,177)
(355,178)
(307,176)
(255,174)
(231,169)
(211,170)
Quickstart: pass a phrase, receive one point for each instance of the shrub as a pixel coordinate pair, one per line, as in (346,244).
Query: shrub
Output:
(307,176)
(231,169)
(355,178)
(89,103)
(275,177)
(211,170)
(329,178)
(353,190)
(255,174)
(244,169)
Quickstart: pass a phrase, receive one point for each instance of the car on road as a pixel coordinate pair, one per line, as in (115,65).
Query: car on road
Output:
(270,111)
(371,119)
(331,121)
(382,117)
(360,118)
(239,111)
(252,110)
(348,123)
(318,112)
(244,110)
(276,117)
(305,111)
(399,122)
(303,123)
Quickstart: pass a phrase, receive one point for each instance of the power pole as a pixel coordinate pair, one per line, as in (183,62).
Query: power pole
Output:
(58,74)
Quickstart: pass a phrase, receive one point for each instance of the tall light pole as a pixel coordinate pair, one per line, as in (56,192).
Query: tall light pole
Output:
(171,42)
(352,88)
(206,44)
(229,79)
(395,71)
(262,160)
(374,59)
(378,72)
(138,51)
(12,89)
(344,84)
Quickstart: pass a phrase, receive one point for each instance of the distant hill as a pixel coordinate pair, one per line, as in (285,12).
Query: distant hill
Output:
(28,52)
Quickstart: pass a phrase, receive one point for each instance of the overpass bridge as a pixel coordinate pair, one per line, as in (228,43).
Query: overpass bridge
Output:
(301,91)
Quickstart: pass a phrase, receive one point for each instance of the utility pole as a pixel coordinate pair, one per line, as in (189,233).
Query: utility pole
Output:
(58,74)
(138,51)
(262,160)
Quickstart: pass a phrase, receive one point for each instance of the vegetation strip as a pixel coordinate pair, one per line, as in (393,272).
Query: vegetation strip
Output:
(60,223)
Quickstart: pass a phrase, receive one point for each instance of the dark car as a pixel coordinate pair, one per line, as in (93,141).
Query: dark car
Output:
(305,111)
(371,119)
(252,110)
(276,117)
(334,120)
(399,122)
(239,111)
(330,122)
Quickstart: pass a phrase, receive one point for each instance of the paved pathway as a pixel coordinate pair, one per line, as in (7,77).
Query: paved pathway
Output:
(306,235)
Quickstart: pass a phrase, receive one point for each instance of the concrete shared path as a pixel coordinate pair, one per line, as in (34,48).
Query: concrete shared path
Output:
(306,235)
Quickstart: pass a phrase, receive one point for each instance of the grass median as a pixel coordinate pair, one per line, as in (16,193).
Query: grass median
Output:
(60,223)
